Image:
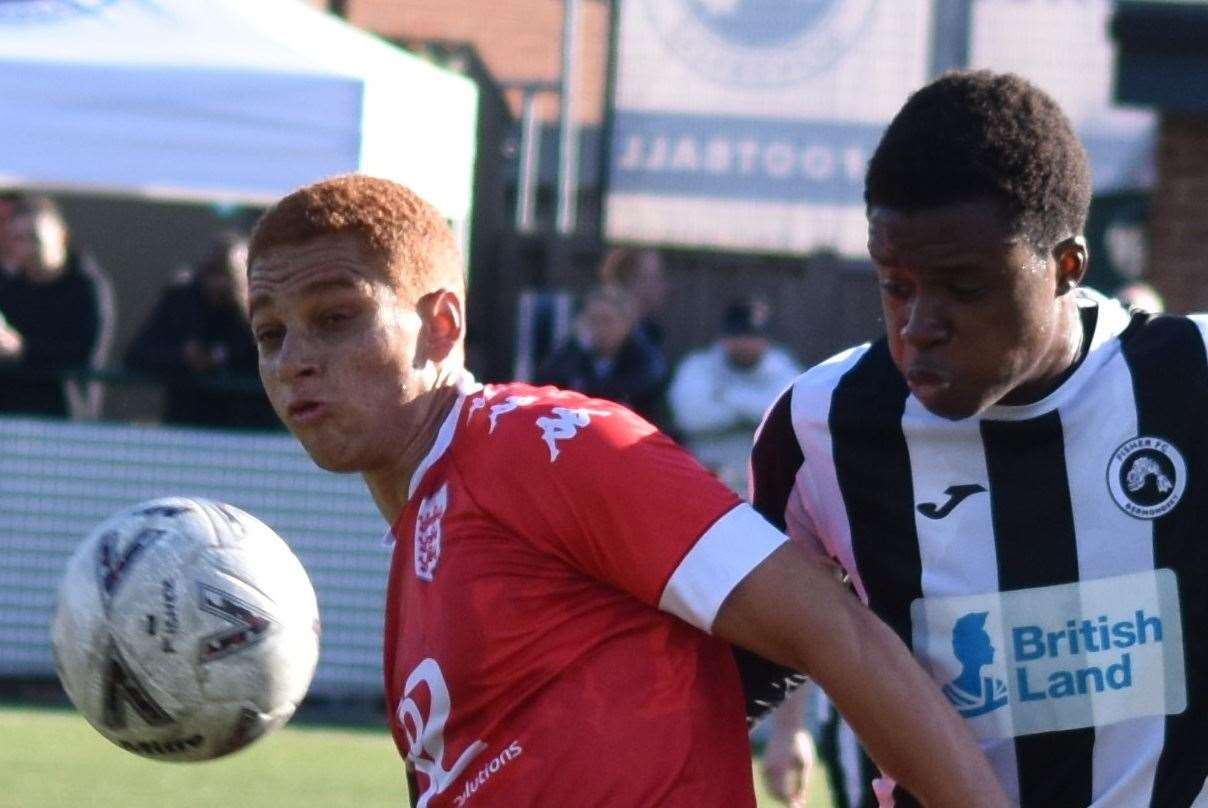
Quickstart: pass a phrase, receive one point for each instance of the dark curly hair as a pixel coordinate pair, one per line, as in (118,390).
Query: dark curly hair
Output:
(981,135)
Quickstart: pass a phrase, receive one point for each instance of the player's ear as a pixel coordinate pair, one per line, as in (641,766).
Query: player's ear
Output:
(1072,261)
(443,323)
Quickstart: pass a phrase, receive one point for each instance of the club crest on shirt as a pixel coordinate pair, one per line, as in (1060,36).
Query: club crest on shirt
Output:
(428,532)
(1146,477)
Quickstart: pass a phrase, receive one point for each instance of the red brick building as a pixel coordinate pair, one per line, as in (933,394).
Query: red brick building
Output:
(1163,63)
(518,41)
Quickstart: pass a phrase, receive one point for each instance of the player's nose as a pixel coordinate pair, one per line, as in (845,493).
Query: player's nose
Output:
(297,358)
(926,322)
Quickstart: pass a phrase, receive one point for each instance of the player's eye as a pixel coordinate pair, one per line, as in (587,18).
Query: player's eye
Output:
(334,318)
(268,336)
(895,289)
(967,292)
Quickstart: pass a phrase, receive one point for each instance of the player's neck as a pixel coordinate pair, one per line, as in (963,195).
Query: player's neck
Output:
(390,485)
(1068,351)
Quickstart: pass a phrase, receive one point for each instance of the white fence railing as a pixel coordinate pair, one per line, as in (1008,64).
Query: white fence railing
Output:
(58,480)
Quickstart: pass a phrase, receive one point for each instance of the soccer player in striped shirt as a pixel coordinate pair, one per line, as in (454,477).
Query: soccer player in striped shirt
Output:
(1015,477)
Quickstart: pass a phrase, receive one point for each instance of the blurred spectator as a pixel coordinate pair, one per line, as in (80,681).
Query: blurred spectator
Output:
(608,358)
(57,313)
(8,202)
(639,272)
(719,395)
(198,341)
(1141,296)
(10,341)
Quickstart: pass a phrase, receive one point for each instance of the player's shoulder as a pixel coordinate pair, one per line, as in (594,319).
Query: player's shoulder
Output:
(1176,337)
(520,424)
(810,393)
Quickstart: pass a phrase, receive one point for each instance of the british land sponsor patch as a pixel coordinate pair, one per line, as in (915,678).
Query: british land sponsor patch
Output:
(1084,654)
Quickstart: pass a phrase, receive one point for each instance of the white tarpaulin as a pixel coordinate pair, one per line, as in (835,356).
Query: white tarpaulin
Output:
(238,100)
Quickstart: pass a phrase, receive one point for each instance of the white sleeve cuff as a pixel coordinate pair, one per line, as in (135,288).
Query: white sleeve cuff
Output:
(735,544)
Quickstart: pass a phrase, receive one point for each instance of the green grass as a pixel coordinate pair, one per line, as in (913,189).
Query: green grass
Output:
(51,758)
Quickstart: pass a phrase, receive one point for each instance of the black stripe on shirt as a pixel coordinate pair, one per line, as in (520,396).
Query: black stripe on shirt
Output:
(775,460)
(1034,541)
(872,464)
(1166,358)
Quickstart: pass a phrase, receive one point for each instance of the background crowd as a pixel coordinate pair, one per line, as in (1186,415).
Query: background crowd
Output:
(57,352)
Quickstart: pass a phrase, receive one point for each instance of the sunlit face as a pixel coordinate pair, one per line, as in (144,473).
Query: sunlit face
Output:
(340,352)
(972,313)
(37,243)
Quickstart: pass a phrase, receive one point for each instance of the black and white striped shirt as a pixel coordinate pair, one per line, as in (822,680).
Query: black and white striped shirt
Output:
(1045,562)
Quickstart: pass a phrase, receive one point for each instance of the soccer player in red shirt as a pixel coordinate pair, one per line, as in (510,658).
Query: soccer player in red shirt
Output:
(566,582)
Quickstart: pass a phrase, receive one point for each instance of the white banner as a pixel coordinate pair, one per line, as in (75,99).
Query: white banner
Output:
(748,124)
(1064,46)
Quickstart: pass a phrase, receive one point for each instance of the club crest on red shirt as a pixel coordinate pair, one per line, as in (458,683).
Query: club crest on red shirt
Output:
(428,532)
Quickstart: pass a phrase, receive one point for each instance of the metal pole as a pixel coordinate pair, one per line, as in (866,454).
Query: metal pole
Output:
(530,163)
(568,129)
(951,28)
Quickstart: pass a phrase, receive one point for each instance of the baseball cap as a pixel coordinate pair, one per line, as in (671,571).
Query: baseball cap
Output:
(745,318)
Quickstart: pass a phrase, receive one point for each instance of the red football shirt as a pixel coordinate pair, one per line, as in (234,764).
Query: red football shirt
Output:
(555,574)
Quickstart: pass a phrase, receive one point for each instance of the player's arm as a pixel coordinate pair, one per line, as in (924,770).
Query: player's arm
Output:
(792,610)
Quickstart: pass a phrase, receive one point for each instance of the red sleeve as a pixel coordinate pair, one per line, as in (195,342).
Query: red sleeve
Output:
(590,482)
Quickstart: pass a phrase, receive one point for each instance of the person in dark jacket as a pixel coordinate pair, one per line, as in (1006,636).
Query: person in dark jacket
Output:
(56,313)
(609,358)
(197,340)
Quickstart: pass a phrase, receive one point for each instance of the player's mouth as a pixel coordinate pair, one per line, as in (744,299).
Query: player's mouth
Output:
(927,381)
(306,411)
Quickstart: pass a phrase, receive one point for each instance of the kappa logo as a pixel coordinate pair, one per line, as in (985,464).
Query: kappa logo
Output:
(510,404)
(563,425)
(1147,477)
(475,405)
(428,532)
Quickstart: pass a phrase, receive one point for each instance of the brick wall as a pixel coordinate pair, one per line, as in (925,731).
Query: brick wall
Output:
(519,40)
(1179,261)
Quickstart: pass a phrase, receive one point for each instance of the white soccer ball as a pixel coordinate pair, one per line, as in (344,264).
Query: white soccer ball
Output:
(185,629)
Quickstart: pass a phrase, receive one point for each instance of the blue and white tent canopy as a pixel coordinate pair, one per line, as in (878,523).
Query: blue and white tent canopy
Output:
(235,100)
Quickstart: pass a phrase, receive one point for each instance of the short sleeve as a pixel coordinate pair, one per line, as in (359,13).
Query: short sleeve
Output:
(595,485)
(776,460)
